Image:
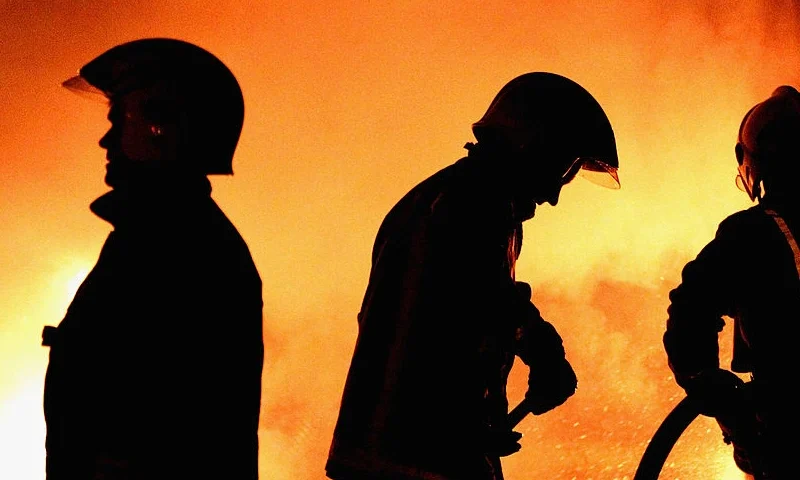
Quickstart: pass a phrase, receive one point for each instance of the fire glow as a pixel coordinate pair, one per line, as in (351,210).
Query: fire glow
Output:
(347,107)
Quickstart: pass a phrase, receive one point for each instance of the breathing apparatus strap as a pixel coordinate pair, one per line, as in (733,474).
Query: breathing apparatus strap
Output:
(789,237)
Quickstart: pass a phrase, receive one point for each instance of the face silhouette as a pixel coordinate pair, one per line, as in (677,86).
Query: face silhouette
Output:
(140,140)
(539,180)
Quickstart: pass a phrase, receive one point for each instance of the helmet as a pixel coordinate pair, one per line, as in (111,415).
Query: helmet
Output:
(203,87)
(542,110)
(769,140)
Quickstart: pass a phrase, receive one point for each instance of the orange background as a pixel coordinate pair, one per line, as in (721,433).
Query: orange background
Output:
(347,107)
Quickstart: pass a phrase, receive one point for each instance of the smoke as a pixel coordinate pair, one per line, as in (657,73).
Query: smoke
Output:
(347,107)
(613,339)
(675,81)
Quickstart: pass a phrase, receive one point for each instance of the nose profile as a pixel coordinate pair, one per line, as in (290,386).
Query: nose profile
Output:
(104,140)
(553,198)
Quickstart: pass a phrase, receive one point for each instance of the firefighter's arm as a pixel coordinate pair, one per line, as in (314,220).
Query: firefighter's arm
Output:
(551,379)
(707,292)
(696,309)
(691,338)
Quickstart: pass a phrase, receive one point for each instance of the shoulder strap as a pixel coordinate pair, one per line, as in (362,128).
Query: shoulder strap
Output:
(789,237)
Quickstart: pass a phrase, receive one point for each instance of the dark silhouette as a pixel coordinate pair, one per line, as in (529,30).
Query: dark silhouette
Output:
(155,371)
(749,272)
(443,318)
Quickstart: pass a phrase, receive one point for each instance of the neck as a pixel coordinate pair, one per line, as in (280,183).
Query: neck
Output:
(495,170)
(492,164)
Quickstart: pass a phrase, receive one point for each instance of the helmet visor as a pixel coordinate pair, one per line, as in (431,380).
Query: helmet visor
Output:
(599,173)
(741,185)
(746,181)
(82,87)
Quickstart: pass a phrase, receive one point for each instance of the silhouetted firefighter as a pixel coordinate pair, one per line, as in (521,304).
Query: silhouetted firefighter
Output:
(155,371)
(749,272)
(443,318)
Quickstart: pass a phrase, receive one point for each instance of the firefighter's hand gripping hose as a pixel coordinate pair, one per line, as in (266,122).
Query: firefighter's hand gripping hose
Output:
(714,391)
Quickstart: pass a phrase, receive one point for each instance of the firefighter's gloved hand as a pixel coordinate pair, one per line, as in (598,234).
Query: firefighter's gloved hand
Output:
(716,391)
(502,442)
(550,385)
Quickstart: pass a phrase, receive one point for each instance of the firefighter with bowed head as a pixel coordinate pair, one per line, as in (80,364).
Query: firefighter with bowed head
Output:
(443,316)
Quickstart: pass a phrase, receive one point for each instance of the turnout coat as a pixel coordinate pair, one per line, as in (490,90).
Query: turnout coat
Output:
(749,274)
(155,370)
(436,328)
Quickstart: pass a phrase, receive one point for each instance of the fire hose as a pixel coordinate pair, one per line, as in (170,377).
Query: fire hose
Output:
(664,439)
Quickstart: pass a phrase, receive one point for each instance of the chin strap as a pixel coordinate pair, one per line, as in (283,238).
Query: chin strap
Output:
(789,237)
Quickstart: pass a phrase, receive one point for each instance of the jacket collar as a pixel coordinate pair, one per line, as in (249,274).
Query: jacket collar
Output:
(158,199)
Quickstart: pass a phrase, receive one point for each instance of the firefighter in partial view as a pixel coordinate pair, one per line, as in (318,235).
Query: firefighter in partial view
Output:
(750,273)
(443,316)
(155,370)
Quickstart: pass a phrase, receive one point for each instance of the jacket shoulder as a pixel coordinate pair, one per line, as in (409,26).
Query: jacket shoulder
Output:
(744,220)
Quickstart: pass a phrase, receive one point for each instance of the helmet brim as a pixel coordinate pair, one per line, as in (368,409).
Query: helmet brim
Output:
(79,85)
(600,173)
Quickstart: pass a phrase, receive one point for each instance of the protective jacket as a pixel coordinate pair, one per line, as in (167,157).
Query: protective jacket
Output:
(747,273)
(436,334)
(155,371)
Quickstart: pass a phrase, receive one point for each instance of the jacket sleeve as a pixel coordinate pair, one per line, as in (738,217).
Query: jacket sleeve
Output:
(698,304)
(537,343)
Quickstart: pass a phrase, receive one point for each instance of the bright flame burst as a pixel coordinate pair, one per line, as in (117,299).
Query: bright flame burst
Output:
(22,432)
(22,427)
